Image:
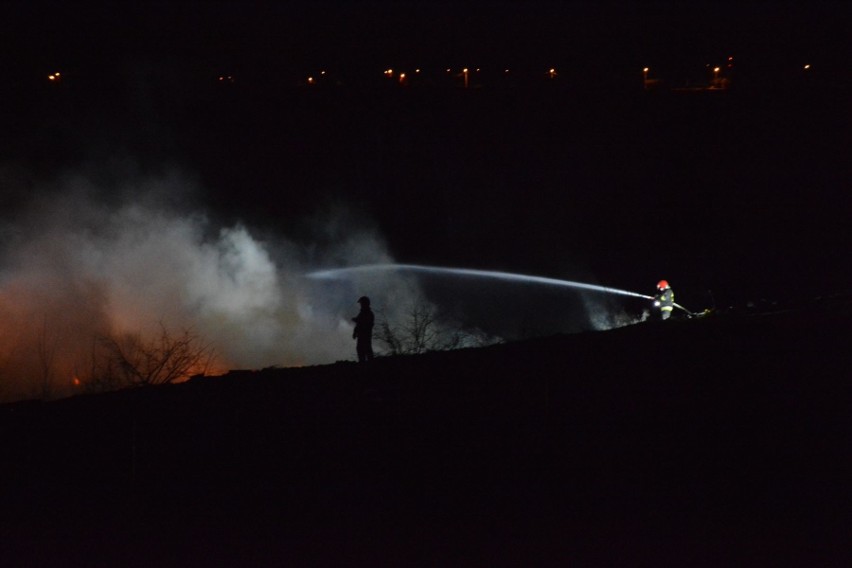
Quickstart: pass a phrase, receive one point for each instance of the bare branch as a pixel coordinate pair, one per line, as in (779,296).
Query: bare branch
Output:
(130,361)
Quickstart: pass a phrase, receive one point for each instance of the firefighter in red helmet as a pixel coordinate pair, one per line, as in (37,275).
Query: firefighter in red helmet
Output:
(663,300)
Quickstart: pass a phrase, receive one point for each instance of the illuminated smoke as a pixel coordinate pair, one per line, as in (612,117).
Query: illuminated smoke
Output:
(600,312)
(603,314)
(83,261)
(76,265)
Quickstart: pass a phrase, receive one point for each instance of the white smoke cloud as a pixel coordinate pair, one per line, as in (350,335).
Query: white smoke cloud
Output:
(75,266)
(85,260)
(604,314)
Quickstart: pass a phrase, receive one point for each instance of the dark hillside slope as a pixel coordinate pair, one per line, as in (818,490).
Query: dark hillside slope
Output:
(705,442)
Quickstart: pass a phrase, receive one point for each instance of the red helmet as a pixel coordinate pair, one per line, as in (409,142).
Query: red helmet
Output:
(662,285)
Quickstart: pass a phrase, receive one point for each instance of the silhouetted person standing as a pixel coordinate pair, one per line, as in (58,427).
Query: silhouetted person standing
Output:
(363,332)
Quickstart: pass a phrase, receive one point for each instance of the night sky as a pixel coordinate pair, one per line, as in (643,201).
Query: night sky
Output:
(301,34)
(735,195)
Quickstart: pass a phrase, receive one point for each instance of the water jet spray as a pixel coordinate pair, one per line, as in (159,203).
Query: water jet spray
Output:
(339,273)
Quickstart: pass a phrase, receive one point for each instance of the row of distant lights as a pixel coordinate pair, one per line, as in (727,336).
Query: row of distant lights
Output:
(730,65)
(311,80)
(402,76)
(464,71)
(551,73)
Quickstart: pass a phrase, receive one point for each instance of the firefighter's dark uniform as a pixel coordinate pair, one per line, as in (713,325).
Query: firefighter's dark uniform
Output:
(664,302)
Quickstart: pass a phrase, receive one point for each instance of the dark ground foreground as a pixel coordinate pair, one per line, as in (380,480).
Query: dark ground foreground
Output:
(716,441)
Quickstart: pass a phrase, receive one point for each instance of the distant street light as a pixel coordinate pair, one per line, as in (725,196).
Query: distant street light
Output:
(645,77)
(466,74)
